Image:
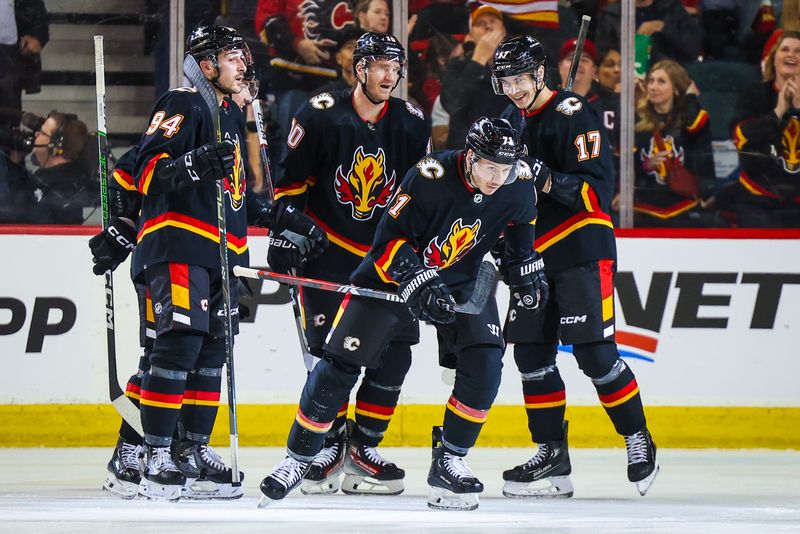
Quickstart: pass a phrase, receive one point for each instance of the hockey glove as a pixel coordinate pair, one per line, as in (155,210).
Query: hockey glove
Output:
(295,226)
(541,172)
(528,283)
(207,163)
(427,297)
(111,246)
(282,255)
(498,253)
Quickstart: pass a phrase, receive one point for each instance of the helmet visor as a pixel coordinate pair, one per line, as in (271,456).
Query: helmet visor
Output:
(510,85)
(383,65)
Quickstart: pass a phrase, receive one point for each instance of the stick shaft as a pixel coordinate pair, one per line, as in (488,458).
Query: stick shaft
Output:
(576,59)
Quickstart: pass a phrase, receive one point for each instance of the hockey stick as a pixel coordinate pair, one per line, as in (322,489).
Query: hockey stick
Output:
(192,71)
(124,406)
(484,286)
(576,58)
(293,294)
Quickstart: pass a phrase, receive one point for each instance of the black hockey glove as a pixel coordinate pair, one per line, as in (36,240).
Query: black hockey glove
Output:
(427,297)
(528,283)
(498,252)
(291,224)
(282,255)
(111,246)
(207,163)
(541,172)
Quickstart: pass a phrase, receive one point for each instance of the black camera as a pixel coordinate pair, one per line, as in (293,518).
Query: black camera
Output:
(14,137)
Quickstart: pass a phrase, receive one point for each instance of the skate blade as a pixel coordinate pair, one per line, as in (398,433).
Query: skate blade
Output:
(551,487)
(205,490)
(153,491)
(442,499)
(329,486)
(266,501)
(120,488)
(644,485)
(364,485)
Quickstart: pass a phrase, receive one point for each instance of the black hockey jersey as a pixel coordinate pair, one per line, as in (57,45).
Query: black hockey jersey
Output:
(567,135)
(344,171)
(440,222)
(181,226)
(122,180)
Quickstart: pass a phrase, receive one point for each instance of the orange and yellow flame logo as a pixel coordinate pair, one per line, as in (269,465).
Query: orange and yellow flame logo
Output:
(235,183)
(366,186)
(459,240)
(790,146)
(667,145)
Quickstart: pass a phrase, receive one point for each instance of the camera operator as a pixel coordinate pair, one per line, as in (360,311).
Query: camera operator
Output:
(61,187)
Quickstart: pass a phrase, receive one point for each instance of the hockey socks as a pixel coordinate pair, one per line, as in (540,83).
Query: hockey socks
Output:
(619,395)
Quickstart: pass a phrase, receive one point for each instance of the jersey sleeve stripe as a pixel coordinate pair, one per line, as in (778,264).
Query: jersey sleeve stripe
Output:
(124,180)
(590,202)
(569,226)
(383,263)
(699,122)
(149,169)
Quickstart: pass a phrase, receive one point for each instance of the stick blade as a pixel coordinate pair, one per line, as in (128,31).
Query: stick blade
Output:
(485,287)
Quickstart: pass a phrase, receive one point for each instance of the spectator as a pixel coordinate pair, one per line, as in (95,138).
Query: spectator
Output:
(23,33)
(587,66)
(61,188)
(766,134)
(609,72)
(344,59)
(372,15)
(446,17)
(467,92)
(673,33)
(673,159)
(302,37)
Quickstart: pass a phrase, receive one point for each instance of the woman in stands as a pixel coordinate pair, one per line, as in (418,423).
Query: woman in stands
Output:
(767,135)
(673,159)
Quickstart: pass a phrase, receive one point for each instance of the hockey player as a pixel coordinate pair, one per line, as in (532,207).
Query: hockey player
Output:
(576,239)
(109,249)
(451,208)
(347,152)
(177,255)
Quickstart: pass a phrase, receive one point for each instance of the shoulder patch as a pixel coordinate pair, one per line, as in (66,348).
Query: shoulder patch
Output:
(430,168)
(322,101)
(569,106)
(185,89)
(414,110)
(523,171)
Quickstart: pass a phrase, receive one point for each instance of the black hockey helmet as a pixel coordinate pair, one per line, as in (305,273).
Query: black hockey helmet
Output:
(371,46)
(517,55)
(495,140)
(206,42)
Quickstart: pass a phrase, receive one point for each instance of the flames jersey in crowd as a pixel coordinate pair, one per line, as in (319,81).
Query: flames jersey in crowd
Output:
(567,135)
(440,222)
(345,171)
(181,226)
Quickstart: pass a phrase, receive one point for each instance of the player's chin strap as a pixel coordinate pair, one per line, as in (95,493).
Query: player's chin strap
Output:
(540,85)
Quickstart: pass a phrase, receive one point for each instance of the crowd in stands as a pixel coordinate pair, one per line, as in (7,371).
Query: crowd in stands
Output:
(717,113)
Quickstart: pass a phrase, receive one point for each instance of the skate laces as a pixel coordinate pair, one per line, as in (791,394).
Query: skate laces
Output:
(374,456)
(457,466)
(213,459)
(161,459)
(637,448)
(288,471)
(327,455)
(129,454)
(540,456)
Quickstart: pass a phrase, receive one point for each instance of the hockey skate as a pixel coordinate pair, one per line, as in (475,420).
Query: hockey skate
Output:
(285,476)
(123,470)
(161,478)
(453,486)
(207,476)
(323,475)
(366,472)
(642,464)
(544,475)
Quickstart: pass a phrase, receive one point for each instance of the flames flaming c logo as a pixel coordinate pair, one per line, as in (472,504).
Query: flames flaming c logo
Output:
(790,146)
(234,183)
(366,185)
(459,240)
